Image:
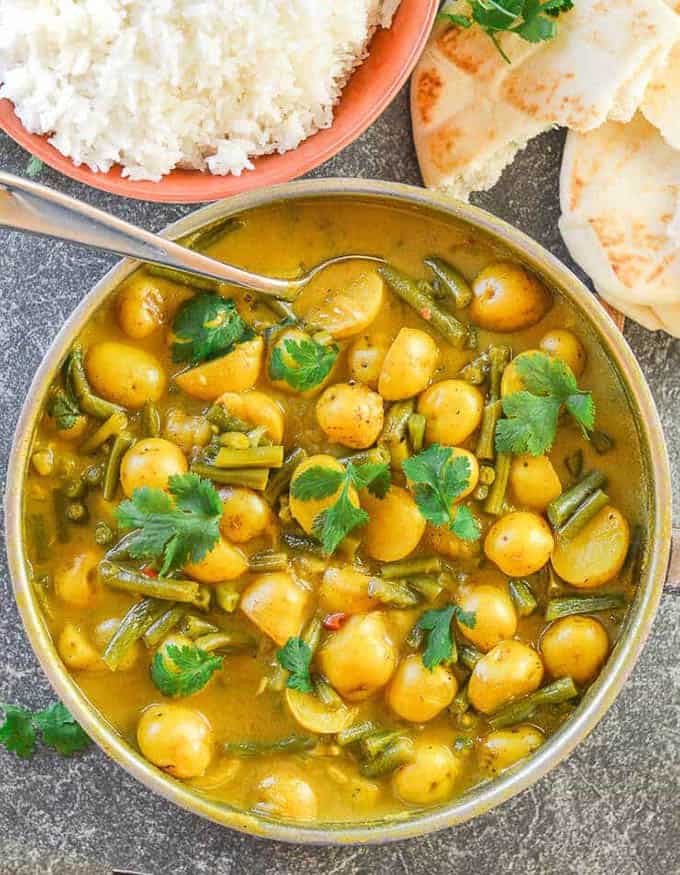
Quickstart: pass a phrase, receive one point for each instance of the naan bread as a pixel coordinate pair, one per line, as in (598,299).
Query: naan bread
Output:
(662,97)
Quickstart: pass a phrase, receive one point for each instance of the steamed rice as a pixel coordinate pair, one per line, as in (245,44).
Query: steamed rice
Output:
(153,84)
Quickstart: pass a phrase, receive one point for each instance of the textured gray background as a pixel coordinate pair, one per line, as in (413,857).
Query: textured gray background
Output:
(612,807)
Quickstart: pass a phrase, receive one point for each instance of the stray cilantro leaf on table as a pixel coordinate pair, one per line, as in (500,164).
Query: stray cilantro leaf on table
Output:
(295,656)
(190,671)
(532,414)
(178,531)
(63,408)
(57,728)
(205,327)
(440,478)
(304,364)
(17,733)
(34,167)
(437,623)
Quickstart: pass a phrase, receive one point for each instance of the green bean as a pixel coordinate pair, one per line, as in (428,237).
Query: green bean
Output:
(499,356)
(61,520)
(451,279)
(209,234)
(87,400)
(447,325)
(227,596)
(376,455)
(566,607)
(103,534)
(375,744)
(633,556)
(253,457)
(392,592)
(477,370)
(487,475)
(480,492)
(429,586)
(415,426)
(223,640)
(356,732)
(291,744)
(409,567)
(132,627)
(151,420)
(461,702)
(268,560)
(401,751)
(283,309)
(469,656)
(311,634)
(194,627)
(258,438)
(280,480)
(472,339)
(38,536)
(75,488)
(191,280)
(396,421)
(167,588)
(561,508)
(301,543)
(254,478)
(93,476)
(326,694)
(121,445)
(162,626)
(601,442)
(574,463)
(463,744)
(77,512)
(114,425)
(584,513)
(219,416)
(556,693)
(415,638)
(523,598)
(496,498)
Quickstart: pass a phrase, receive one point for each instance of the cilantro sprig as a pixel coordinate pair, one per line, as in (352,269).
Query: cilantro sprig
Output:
(532,413)
(177,528)
(57,728)
(437,623)
(182,671)
(440,478)
(334,523)
(304,364)
(64,409)
(295,656)
(205,327)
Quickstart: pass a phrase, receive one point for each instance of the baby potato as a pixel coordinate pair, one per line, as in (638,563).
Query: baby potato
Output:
(124,374)
(350,414)
(236,371)
(495,617)
(457,452)
(186,431)
(245,514)
(520,543)
(223,562)
(104,632)
(276,604)
(365,358)
(453,410)
(77,430)
(408,366)
(151,462)
(503,748)
(417,694)
(575,647)
(430,778)
(506,298)
(511,381)
(306,511)
(443,540)
(597,553)
(395,524)
(140,307)
(563,344)
(509,671)
(344,588)
(360,658)
(534,481)
(257,409)
(177,739)
(315,716)
(76,581)
(76,650)
(279,342)
(349,304)
(284,794)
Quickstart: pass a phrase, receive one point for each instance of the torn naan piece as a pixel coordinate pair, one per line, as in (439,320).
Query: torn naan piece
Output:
(661,104)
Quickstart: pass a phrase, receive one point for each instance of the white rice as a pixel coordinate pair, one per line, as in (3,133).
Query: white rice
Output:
(153,84)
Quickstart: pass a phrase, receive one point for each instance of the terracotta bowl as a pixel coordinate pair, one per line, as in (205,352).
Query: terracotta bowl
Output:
(393,54)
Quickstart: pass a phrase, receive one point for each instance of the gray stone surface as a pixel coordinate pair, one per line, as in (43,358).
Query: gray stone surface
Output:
(611,807)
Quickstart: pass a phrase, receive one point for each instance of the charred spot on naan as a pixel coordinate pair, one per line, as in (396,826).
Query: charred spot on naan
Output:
(428,86)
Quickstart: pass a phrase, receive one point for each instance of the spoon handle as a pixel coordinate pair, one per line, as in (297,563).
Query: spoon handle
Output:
(36,209)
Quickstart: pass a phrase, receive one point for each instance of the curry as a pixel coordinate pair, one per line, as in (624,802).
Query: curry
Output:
(344,559)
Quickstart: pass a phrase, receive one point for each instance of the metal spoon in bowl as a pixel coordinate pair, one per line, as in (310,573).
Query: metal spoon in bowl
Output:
(34,208)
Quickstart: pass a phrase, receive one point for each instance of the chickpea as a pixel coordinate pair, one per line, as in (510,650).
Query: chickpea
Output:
(140,306)
(564,344)
(350,414)
(284,794)
(409,365)
(534,481)
(575,647)
(306,511)
(453,410)
(520,543)
(245,514)
(256,409)
(417,694)
(276,604)
(124,374)
(360,658)
(186,431)
(151,462)
(495,617)
(223,562)
(396,513)
(76,650)
(508,671)
(345,589)
(177,739)
(104,632)
(506,298)
(430,778)
(504,747)
(511,380)
(236,371)
(76,581)
(365,358)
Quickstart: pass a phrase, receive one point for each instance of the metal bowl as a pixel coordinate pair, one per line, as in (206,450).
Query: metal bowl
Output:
(600,695)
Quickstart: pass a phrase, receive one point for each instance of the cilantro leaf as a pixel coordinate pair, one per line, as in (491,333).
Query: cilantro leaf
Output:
(439,479)
(60,731)
(178,531)
(64,409)
(190,670)
(317,483)
(205,327)
(439,647)
(17,733)
(332,525)
(374,476)
(304,364)
(532,414)
(295,656)
(460,20)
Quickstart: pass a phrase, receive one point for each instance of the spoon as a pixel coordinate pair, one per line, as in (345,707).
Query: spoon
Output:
(29,206)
